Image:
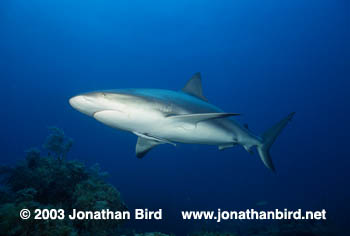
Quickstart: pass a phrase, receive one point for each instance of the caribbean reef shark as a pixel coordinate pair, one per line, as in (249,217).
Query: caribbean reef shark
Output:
(167,117)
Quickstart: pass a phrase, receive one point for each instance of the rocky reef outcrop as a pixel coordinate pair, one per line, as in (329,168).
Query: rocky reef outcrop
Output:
(52,182)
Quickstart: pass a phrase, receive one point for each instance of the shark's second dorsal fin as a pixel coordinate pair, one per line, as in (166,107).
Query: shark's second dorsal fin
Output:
(194,86)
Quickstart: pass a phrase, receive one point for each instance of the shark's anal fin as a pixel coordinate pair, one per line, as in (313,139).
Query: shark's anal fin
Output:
(199,117)
(143,146)
(194,87)
(248,148)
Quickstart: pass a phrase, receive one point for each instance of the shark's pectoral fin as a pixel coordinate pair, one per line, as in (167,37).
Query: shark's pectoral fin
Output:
(194,87)
(199,117)
(143,146)
(153,138)
(146,142)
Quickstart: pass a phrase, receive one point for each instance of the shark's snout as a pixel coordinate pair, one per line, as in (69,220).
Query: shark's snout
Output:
(84,104)
(76,101)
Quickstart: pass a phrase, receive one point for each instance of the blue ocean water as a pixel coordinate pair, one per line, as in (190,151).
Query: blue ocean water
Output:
(263,59)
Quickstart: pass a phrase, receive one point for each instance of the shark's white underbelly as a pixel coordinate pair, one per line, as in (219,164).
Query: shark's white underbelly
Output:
(201,133)
(156,125)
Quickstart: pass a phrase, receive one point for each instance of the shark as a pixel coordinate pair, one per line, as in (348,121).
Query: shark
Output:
(158,116)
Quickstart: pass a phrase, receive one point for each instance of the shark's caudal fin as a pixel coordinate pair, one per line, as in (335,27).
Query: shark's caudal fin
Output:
(269,138)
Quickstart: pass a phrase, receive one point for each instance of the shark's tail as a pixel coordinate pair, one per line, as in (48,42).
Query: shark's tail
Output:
(268,138)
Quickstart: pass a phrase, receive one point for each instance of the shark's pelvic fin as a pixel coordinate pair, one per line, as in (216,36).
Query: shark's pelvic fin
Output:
(199,117)
(194,87)
(143,146)
(224,146)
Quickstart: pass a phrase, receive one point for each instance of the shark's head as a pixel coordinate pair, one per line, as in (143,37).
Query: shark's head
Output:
(120,109)
(93,102)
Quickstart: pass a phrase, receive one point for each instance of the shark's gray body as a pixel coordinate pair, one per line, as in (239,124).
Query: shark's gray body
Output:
(163,116)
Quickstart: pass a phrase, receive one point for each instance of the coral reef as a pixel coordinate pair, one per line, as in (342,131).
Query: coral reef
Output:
(57,143)
(53,182)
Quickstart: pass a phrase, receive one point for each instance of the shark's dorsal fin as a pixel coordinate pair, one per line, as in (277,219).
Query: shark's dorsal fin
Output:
(194,86)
